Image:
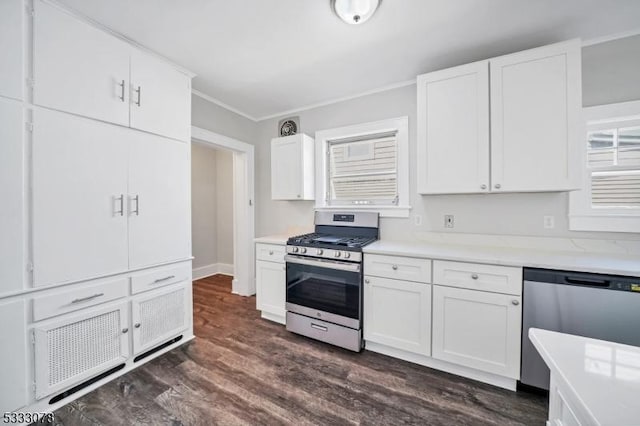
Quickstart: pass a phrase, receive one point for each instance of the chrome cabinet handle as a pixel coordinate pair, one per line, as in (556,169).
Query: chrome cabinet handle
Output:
(121,84)
(515,302)
(159,280)
(125,330)
(319,327)
(474,276)
(367,281)
(394,267)
(86,299)
(483,186)
(270,252)
(121,211)
(139,92)
(136,325)
(497,186)
(137,209)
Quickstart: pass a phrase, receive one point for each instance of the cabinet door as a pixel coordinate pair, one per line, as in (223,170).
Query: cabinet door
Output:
(398,314)
(286,168)
(13,356)
(535,105)
(271,285)
(12,263)
(160,97)
(477,329)
(79,198)
(11,46)
(159,200)
(158,317)
(453,130)
(78,68)
(78,347)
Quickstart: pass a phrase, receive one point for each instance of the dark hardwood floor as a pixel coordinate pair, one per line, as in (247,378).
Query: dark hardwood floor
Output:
(244,370)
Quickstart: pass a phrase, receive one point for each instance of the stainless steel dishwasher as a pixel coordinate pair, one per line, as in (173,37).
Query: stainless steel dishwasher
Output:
(599,306)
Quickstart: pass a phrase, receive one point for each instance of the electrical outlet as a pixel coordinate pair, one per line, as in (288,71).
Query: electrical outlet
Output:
(418,220)
(448,221)
(549,222)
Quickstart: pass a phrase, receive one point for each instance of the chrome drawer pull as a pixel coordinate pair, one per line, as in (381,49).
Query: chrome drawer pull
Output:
(270,252)
(319,327)
(394,267)
(85,299)
(515,302)
(159,280)
(474,276)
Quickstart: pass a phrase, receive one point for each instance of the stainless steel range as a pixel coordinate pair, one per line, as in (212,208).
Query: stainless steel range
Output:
(324,278)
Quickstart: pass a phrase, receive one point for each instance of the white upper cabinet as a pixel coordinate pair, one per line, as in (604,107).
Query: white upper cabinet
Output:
(84,70)
(12,263)
(11,59)
(515,131)
(292,168)
(536,102)
(79,68)
(79,198)
(160,97)
(159,200)
(453,130)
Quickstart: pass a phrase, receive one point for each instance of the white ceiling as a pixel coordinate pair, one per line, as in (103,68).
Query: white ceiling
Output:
(264,57)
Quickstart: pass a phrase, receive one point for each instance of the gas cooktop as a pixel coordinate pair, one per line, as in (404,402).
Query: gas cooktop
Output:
(322,240)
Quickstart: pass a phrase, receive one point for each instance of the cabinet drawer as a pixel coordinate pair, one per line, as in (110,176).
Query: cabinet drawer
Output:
(78,298)
(270,252)
(401,268)
(148,280)
(498,279)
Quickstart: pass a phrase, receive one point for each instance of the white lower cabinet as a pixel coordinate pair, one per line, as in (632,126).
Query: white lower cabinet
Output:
(73,348)
(398,314)
(477,329)
(13,356)
(560,412)
(158,316)
(271,285)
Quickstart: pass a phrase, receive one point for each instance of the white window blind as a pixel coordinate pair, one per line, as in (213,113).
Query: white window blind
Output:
(363,170)
(613,161)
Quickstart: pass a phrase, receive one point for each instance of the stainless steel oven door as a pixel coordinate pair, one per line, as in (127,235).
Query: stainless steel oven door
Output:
(325,289)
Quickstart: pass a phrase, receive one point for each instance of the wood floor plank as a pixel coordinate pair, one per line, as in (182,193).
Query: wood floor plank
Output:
(243,370)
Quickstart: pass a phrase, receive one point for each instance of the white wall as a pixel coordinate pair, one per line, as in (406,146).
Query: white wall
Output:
(212,206)
(203,206)
(224,210)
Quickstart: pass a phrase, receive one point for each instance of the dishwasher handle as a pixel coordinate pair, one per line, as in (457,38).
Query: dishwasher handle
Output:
(588,282)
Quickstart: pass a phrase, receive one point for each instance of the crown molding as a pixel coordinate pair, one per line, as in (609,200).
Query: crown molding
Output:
(223,105)
(341,99)
(611,37)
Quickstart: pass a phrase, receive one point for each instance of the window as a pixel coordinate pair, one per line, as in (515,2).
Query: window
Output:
(610,197)
(364,167)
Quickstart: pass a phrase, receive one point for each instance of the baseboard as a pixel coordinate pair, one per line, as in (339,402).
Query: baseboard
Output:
(213,269)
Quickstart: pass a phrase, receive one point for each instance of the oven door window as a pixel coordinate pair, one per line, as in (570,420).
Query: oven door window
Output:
(325,289)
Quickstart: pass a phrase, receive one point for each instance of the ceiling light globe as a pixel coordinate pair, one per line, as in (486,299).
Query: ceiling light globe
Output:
(355,12)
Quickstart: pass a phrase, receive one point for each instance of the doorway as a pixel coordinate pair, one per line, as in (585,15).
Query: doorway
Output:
(230,175)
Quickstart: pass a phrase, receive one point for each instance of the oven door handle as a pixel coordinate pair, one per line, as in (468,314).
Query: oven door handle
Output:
(351,267)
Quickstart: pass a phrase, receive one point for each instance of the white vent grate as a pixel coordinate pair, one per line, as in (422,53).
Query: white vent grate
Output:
(161,315)
(81,346)
(364,171)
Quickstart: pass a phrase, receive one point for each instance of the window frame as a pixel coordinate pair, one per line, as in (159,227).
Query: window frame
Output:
(400,126)
(582,216)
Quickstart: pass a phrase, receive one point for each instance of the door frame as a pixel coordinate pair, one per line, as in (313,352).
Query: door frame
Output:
(244,282)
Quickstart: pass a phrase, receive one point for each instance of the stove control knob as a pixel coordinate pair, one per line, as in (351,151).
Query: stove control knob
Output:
(294,249)
(319,252)
(303,250)
(337,254)
(347,255)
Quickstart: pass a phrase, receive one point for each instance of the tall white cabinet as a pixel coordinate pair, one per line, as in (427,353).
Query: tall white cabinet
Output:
(507,124)
(95,254)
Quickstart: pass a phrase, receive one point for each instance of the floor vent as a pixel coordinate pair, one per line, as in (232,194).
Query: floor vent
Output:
(157,348)
(83,385)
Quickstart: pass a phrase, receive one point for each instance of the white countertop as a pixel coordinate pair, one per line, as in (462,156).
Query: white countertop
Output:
(603,376)
(273,239)
(606,263)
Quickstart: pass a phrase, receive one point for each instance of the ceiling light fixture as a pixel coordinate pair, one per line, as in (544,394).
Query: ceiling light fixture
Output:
(355,12)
